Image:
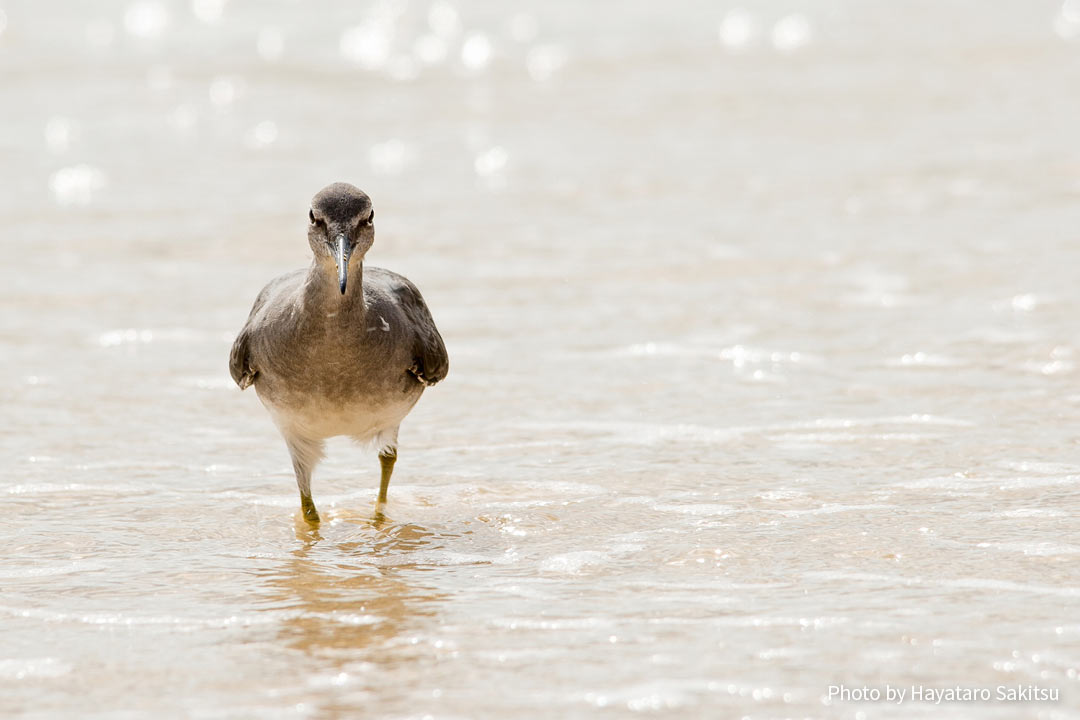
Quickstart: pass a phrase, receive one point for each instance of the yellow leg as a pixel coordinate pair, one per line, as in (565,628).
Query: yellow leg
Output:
(305,455)
(308,506)
(387,458)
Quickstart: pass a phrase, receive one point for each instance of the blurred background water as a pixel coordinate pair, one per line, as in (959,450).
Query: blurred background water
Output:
(763,328)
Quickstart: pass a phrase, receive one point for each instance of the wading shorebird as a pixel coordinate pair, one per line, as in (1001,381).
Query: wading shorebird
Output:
(338,349)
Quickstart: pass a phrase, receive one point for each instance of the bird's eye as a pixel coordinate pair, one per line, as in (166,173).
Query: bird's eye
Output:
(317,222)
(311,216)
(371,217)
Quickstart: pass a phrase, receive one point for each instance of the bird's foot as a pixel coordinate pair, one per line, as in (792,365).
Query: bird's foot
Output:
(380,512)
(309,511)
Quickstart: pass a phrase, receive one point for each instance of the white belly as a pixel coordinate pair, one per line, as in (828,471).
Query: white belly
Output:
(321,420)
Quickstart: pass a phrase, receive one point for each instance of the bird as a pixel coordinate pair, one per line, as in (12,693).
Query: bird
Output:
(337,348)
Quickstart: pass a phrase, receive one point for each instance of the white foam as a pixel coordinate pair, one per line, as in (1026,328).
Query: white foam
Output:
(777,495)
(960,583)
(573,562)
(1032,512)
(49,570)
(245,620)
(1041,549)
(525,623)
(48,488)
(441,558)
(22,669)
(962,481)
(1040,466)
(704,509)
(830,509)
(652,433)
(817,438)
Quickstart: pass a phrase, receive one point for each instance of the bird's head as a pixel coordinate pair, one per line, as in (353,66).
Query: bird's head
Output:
(340,227)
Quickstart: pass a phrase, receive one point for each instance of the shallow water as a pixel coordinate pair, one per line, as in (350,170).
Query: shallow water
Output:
(763,345)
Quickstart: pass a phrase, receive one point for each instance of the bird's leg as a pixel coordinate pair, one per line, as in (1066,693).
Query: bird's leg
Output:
(305,454)
(387,458)
(308,507)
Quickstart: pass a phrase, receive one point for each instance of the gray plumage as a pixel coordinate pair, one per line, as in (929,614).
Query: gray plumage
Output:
(338,349)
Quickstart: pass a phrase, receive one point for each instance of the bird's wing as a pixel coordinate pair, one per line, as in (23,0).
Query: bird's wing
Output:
(242,366)
(430,361)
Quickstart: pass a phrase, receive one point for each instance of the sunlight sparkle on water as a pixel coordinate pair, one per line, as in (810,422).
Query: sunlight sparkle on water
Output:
(76,185)
(476,51)
(391,157)
(60,132)
(792,33)
(208,11)
(1025,302)
(262,135)
(367,44)
(544,61)
(1067,21)
(923,359)
(18,669)
(1070,10)
(444,20)
(146,19)
(738,30)
(490,164)
(183,118)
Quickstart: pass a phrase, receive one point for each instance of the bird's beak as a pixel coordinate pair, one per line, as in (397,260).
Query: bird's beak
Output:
(342,251)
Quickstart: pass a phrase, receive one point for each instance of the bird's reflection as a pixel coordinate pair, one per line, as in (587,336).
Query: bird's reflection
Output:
(343,593)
